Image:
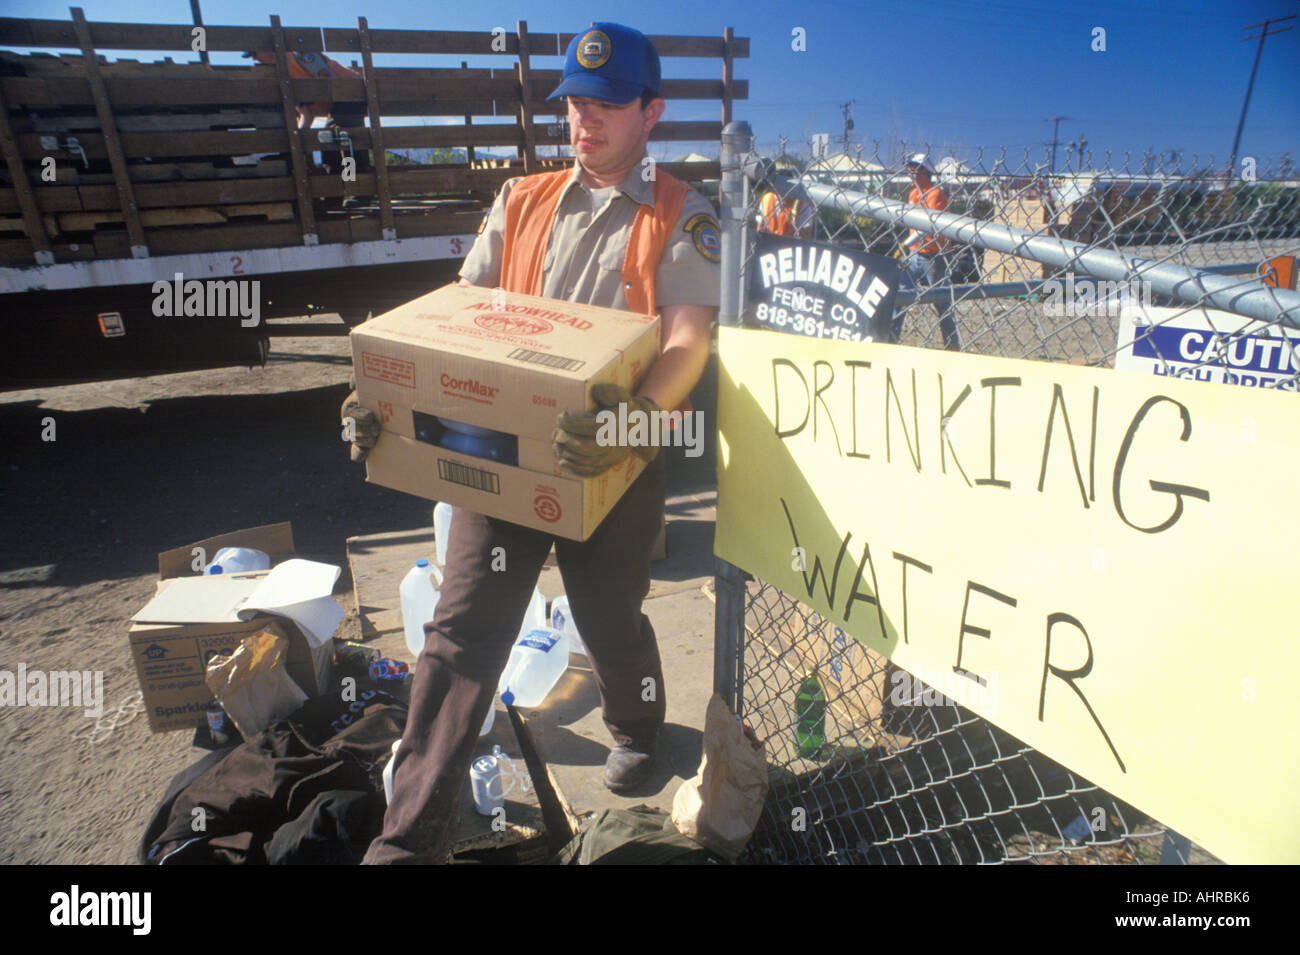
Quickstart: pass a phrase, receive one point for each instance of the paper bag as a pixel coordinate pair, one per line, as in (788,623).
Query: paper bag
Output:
(251,684)
(720,806)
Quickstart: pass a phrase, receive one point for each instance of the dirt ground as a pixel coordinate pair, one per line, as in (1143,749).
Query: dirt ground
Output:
(136,467)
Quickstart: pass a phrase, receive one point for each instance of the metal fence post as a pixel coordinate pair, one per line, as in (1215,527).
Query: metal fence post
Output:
(737,140)
(729,581)
(1177,849)
(728,631)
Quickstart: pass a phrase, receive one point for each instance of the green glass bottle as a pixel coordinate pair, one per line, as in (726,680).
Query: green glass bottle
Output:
(810,717)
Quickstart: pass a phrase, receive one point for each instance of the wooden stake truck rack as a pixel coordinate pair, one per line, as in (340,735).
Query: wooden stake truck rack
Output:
(119,174)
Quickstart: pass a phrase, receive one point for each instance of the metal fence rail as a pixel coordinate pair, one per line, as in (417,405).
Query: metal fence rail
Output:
(905,775)
(1192,238)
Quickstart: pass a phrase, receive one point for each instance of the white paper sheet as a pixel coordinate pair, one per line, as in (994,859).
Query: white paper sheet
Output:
(300,590)
(297,589)
(199,600)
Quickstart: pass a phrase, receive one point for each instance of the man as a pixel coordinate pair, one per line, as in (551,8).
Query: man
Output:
(339,116)
(791,217)
(305,66)
(615,232)
(924,263)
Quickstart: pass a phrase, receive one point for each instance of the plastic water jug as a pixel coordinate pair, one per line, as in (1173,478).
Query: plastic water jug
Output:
(388,772)
(537,662)
(562,620)
(419,596)
(442,530)
(234,560)
(514,776)
(534,617)
(487,783)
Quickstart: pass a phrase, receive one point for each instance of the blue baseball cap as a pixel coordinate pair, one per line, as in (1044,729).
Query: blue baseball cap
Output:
(609,62)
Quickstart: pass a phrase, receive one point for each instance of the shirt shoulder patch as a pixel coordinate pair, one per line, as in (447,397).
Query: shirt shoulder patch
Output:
(703,230)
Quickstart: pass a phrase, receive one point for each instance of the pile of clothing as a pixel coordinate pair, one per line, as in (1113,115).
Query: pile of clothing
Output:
(305,791)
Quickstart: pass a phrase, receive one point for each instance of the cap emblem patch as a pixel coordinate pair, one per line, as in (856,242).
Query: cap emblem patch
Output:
(594,49)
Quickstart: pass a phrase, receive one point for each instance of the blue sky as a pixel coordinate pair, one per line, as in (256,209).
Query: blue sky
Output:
(958,74)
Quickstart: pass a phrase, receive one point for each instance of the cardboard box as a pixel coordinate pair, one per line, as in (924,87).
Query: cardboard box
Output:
(171,658)
(509,365)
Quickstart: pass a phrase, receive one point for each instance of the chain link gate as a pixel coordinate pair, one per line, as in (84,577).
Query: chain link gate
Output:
(906,775)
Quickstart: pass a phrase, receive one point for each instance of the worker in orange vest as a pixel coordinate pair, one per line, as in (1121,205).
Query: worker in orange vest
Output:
(612,231)
(924,261)
(306,66)
(792,217)
(341,116)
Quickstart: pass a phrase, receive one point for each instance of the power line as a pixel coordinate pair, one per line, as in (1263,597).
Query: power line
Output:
(1263,34)
(1054,141)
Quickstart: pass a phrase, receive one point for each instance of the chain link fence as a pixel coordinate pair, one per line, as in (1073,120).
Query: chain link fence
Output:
(1140,235)
(1034,265)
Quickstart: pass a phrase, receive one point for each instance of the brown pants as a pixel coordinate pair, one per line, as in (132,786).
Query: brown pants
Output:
(475,625)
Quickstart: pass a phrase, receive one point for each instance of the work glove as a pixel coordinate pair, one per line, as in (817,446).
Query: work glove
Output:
(365,428)
(575,437)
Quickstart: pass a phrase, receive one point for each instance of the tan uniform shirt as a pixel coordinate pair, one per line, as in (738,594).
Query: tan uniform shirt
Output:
(584,257)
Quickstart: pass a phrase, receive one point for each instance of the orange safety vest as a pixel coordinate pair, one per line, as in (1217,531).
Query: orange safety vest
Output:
(779,218)
(306,66)
(530,216)
(936,199)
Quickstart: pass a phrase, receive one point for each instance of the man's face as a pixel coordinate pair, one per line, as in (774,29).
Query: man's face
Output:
(608,138)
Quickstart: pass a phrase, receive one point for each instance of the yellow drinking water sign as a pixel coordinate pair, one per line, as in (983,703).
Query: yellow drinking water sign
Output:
(1101,563)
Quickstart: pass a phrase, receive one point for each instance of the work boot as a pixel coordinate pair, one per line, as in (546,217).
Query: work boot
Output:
(628,766)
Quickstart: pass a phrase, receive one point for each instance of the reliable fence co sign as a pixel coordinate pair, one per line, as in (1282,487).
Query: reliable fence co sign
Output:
(820,291)
(1100,546)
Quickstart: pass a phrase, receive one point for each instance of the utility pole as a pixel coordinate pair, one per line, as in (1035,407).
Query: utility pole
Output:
(847,109)
(1264,33)
(1056,122)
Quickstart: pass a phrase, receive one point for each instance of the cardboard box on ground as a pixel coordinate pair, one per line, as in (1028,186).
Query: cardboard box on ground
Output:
(171,657)
(509,364)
